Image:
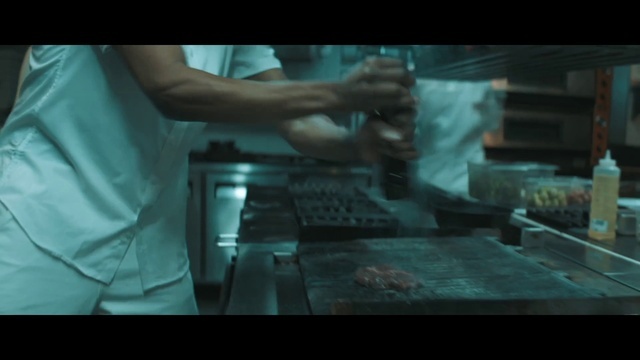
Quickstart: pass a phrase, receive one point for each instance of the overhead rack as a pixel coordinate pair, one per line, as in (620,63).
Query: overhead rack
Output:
(488,62)
(499,61)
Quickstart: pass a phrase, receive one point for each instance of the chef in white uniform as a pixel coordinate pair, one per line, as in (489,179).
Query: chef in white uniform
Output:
(452,118)
(93,162)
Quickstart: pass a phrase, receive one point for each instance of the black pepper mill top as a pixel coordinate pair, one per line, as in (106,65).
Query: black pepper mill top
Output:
(395,178)
(395,181)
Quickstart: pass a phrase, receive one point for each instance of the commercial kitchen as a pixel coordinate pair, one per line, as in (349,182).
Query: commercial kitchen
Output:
(270,232)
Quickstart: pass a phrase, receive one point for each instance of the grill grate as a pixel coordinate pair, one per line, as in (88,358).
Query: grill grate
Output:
(449,269)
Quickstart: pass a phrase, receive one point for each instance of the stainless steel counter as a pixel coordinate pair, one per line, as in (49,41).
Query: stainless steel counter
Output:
(617,260)
(250,168)
(218,192)
(267,279)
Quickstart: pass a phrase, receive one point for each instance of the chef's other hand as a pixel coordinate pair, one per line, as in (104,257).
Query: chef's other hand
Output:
(402,119)
(377,138)
(377,83)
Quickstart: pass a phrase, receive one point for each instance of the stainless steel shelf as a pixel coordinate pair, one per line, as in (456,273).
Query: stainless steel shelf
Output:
(492,62)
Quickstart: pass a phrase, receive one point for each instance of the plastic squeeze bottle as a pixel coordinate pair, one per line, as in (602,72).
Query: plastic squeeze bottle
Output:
(604,201)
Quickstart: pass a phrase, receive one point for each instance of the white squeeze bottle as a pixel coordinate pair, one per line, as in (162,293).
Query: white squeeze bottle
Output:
(604,201)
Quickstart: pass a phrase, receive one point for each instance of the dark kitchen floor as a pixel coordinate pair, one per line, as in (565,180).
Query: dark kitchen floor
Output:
(208,299)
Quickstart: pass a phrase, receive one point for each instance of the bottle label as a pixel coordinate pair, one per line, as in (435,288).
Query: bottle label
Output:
(604,207)
(599,225)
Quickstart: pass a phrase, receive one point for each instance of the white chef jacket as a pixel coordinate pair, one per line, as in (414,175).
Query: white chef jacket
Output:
(450,130)
(87,163)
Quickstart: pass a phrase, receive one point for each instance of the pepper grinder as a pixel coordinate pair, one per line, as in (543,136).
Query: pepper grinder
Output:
(395,179)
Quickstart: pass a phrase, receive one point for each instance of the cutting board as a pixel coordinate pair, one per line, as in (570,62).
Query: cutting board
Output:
(452,270)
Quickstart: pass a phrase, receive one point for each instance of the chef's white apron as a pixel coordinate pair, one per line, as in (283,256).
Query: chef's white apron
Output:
(62,290)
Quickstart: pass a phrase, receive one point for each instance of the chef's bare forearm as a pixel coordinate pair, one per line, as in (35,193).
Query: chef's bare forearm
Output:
(318,136)
(198,98)
(314,135)
(186,94)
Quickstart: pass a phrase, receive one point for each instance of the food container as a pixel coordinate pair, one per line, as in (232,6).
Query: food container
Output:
(503,183)
(558,192)
(628,205)
(638,224)
(626,224)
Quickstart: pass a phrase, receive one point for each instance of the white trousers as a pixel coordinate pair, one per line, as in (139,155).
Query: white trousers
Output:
(33,282)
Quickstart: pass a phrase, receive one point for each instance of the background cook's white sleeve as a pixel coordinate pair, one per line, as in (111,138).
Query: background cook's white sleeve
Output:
(491,107)
(249,60)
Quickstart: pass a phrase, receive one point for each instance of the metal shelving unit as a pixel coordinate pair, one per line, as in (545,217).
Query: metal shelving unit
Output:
(602,114)
(490,62)
(477,63)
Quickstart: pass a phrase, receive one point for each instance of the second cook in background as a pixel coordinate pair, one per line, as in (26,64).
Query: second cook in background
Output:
(452,118)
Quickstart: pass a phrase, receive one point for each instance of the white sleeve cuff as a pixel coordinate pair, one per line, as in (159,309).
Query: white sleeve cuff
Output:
(105,48)
(250,60)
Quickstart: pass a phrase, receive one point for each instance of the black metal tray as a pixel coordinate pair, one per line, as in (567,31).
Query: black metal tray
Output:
(314,228)
(344,207)
(261,193)
(463,214)
(325,190)
(268,233)
(561,217)
(330,201)
(260,217)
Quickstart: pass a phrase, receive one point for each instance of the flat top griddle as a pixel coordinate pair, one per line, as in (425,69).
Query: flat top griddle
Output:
(456,269)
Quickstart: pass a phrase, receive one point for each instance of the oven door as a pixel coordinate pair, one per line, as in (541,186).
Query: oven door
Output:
(223,204)
(542,130)
(194,225)
(578,84)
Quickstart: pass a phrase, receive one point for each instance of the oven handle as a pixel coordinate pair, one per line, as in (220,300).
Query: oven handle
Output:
(227,240)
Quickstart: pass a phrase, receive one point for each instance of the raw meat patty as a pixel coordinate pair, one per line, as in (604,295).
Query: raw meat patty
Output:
(385,277)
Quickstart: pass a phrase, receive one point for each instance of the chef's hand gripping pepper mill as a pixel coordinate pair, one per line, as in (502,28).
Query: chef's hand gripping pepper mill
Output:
(395,180)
